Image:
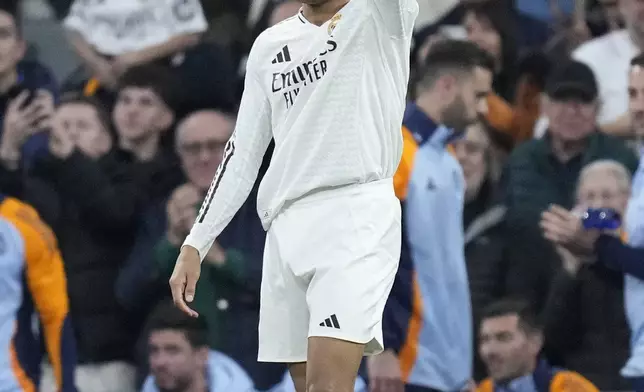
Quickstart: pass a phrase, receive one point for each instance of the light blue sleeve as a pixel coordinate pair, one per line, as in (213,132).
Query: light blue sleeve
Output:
(148,385)
(286,385)
(361,385)
(225,375)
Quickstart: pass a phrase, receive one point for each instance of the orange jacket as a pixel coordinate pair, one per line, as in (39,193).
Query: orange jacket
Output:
(37,255)
(516,121)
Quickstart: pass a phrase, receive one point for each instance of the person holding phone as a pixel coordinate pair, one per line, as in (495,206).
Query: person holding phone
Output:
(623,254)
(585,323)
(29,113)
(28,92)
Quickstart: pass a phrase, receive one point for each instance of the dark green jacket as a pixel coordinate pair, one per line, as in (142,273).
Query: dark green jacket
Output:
(214,289)
(533,180)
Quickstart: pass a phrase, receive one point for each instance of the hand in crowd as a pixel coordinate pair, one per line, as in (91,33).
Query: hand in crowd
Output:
(384,373)
(61,144)
(570,262)
(182,212)
(108,72)
(216,255)
(124,62)
(104,72)
(579,32)
(24,118)
(564,228)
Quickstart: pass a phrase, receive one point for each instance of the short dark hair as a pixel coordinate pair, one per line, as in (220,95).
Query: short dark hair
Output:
(152,76)
(484,60)
(166,316)
(528,320)
(452,56)
(74,97)
(11,7)
(502,20)
(638,61)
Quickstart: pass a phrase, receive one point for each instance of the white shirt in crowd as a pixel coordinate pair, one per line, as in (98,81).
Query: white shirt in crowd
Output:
(115,27)
(609,57)
(331,96)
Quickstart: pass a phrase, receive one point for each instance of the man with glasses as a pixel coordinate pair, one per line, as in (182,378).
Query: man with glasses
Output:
(228,294)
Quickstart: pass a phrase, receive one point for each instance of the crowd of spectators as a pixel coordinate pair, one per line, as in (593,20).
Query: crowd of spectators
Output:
(117,157)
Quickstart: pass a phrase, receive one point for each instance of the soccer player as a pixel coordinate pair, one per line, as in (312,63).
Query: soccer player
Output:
(427,321)
(33,282)
(329,86)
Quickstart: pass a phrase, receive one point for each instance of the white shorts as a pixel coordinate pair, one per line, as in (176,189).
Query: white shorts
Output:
(329,263)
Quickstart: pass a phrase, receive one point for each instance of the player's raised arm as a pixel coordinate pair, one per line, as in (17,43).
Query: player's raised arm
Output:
(237,172)
(397,16)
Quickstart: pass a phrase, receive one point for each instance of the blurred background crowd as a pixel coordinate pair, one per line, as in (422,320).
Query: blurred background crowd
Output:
(114,118)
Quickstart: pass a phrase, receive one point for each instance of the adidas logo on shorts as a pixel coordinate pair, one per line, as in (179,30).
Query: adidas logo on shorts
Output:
(331,322)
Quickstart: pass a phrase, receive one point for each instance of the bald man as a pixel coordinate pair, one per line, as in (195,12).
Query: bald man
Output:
(200,141)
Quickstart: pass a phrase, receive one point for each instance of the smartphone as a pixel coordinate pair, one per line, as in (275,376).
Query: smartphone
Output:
(601,219)
(17,90)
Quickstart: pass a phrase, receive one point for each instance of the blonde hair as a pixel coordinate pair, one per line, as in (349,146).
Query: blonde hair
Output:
(607,167)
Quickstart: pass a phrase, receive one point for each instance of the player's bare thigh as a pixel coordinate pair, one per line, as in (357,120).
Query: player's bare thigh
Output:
(332,365)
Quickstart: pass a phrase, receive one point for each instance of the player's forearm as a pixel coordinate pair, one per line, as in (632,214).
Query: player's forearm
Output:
(243,156)
(84,50)
(174,45)
(229,189)
(579,12)
(238,170)
(620,127)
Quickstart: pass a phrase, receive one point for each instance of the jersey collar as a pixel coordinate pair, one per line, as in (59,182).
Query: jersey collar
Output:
(303,20)
(424,129)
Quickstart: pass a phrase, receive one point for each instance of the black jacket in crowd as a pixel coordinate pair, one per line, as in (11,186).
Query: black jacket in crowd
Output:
(92,207)
(585,325)
(485,257)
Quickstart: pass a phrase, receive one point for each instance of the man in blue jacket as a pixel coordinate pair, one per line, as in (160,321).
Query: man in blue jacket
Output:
(27,94)
(427,325)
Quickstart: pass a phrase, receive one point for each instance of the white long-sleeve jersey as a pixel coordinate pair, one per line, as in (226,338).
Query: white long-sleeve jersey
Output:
(332,97)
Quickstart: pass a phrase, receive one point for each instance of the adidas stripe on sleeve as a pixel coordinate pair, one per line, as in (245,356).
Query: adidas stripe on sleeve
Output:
(238,170)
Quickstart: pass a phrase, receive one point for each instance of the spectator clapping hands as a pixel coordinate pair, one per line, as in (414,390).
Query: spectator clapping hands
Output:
(182,212)
(61,144)
(564,229)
